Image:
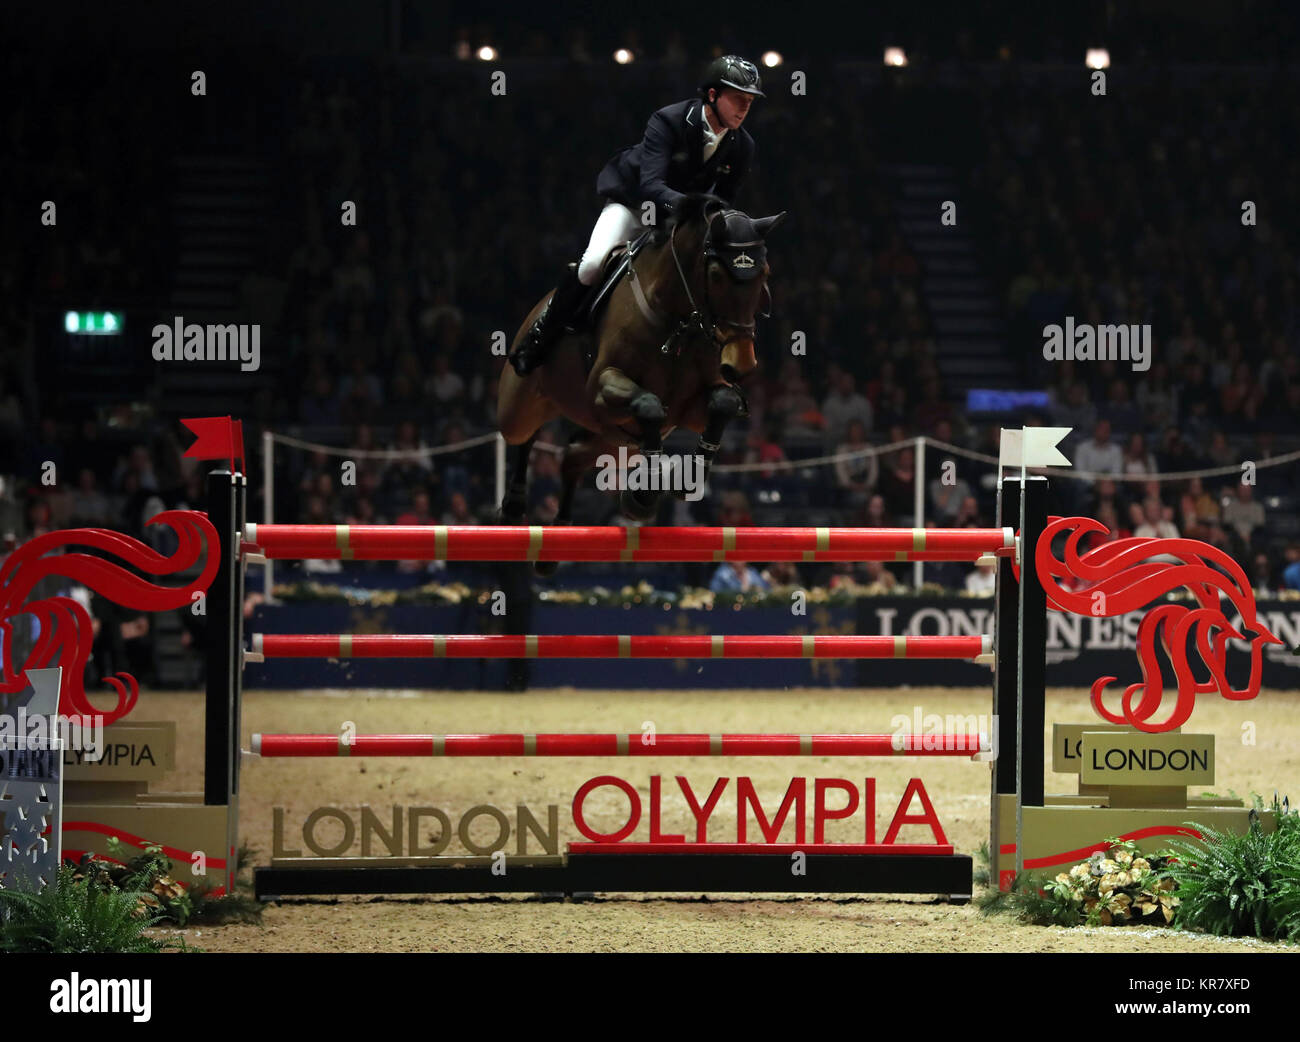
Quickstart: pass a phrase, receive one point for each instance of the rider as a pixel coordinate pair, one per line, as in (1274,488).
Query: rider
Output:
(692,146)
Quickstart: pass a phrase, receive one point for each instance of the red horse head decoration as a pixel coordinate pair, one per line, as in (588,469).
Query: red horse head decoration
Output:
(1120,577)
(65,627)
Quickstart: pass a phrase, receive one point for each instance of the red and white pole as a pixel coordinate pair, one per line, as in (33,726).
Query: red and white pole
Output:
(324,745)
(612,646)
(613,543)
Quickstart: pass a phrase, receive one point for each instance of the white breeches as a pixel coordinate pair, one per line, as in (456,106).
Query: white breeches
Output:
(616,224)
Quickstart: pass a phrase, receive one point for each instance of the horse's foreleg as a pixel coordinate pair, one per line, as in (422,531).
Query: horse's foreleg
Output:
(724,405)
(622,398)
(514,505)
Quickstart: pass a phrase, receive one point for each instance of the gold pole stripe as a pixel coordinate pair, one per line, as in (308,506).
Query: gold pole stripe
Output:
(717,647)
(534,541)
(439,647)
(728,538)
(530,645)
(918,538)
(823,538)
(809,646)
(439,745)
(345,747)
(530,745)
(810,555)
(439,542)
(805,745)
(715,745)
(631,544)
(343,540)
(345,645)
(622,744)
(624,646)
(900,647)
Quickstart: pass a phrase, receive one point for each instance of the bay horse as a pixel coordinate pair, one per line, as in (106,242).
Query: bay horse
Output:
(674,341)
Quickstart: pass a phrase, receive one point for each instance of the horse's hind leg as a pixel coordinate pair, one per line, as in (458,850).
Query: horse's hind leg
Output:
(583,450)
(514,506)
(580,455)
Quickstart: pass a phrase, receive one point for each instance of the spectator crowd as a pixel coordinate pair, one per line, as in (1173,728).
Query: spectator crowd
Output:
(379,334)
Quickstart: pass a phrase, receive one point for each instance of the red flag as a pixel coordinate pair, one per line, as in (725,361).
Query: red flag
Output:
(216,439)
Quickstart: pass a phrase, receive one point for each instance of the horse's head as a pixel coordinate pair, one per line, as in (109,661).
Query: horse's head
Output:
(733,267)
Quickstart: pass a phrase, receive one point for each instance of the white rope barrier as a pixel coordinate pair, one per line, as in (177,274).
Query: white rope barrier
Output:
(388,454)
(828,460)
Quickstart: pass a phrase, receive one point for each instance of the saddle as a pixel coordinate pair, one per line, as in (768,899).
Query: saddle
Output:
(589,310)
(587,314)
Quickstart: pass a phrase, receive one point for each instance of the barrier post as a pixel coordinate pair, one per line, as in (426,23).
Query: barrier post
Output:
(225,503)
(918,506)
(1019,737)
(224,638)
(268,507)
(221,642)
(240,569)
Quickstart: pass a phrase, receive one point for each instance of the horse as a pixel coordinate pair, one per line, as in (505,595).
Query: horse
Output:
(670,349)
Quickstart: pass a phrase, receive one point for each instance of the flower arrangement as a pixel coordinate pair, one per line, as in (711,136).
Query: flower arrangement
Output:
(1115,887)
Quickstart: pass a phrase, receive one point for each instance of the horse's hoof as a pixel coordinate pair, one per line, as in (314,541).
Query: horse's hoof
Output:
(700,491)
(648,408)
(545,569)
(638,508)
(514,510)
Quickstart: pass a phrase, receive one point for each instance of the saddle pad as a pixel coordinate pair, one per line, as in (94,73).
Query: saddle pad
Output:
(616,264)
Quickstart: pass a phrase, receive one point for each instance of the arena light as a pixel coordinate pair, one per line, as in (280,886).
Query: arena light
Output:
(623,56)
(1097,58)
(895,56)
(487,53)
(772,59)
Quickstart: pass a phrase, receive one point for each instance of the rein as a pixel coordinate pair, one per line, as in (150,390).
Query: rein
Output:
(696,323)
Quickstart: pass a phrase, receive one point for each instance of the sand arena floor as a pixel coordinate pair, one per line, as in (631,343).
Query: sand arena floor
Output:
(958,788)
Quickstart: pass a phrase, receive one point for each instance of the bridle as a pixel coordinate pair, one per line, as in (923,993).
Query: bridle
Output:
(701,322)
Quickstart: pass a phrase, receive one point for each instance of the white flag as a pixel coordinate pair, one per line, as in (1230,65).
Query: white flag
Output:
(1033,447)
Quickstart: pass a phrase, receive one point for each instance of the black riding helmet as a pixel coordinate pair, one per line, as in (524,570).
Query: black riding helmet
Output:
(734,72)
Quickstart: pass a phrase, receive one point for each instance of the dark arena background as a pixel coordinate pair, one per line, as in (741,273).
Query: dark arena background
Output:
(372,198)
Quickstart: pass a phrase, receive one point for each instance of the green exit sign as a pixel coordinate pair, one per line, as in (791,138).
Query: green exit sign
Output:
(97,323)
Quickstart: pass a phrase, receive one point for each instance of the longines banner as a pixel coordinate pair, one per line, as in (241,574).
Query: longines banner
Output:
(1078,651)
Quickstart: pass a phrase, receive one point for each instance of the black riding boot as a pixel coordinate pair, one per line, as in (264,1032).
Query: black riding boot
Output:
(549,325)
